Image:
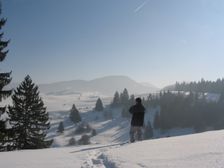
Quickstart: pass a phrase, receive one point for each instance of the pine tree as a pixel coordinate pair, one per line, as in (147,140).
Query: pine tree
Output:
(221,98)
(29,117)
(61,127)
(74,115)
(99,105)
(156,123)
(116,100)
(132,100)
(4,81)
(124,98)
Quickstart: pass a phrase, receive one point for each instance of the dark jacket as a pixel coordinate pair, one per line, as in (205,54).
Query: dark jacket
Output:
(138,112)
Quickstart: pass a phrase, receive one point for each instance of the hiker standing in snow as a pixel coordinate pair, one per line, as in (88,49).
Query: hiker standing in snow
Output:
(137,121)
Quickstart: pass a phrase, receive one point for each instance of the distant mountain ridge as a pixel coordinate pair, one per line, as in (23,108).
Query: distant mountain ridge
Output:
(105,85)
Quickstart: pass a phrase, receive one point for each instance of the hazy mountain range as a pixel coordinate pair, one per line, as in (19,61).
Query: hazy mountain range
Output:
(105,85)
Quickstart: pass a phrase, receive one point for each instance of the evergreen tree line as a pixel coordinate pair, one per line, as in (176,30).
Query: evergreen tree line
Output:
(202,86)
(180,110)
(124,101)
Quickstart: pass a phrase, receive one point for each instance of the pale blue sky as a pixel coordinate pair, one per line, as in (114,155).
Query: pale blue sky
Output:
(156,41)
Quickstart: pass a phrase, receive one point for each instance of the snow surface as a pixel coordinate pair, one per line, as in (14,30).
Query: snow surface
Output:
(198,150)
(114,130)
(4,117)
(205,150)
(83,101)
(109,130)
(201,150)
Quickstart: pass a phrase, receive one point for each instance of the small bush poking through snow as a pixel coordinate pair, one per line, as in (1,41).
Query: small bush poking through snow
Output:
(83,128)
(84,140)
(72,141)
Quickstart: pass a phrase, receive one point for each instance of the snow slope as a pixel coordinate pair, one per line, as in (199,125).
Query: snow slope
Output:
(113,130)
(196,151)
(205,150)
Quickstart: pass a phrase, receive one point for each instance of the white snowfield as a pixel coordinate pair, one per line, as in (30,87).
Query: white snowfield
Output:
(205,150)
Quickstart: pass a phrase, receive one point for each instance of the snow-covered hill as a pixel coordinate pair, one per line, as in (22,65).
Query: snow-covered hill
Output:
(112,129)
(197,150)
(191,151)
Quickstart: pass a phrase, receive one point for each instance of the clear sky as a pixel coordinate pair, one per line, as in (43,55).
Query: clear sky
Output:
(156,41)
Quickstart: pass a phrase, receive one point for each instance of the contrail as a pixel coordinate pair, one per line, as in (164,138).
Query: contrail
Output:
(140,6)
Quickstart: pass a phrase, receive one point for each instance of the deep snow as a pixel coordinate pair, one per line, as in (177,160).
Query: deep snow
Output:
(198,150)
(205,150)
